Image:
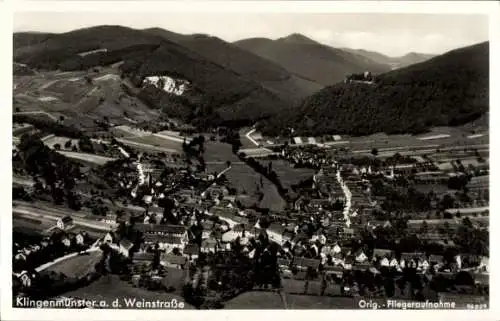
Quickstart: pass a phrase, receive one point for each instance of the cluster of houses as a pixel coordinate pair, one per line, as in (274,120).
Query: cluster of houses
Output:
(334,260)
(63,235)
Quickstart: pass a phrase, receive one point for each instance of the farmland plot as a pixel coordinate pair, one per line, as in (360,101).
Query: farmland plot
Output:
(287,174)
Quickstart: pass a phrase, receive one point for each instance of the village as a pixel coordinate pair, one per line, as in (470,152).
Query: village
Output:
(358,225)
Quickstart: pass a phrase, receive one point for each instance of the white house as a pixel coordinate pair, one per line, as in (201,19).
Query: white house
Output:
(25,279)
(66,241)
(80,239)
(230,236)
(65,222)
(167,242)
(125,246)
(20,257)
(394,263)
(423,264)
(361,257)
(384,262)
(108,238)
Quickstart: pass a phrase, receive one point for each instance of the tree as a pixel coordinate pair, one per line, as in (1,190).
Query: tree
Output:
(85,144)
(57,146)
(374,152)
(424,228)
(67,144)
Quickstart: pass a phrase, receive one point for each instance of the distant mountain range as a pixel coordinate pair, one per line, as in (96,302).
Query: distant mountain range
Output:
(231,84)
(395,62)
(311,60)
(450,89)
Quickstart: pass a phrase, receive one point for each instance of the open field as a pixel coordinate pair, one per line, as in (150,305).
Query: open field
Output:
(272,199)
(438,189)
(247,181)
(244,179)
(50,142)
(146,147)
(217,151)
(91,158)
(255,300)
(30,225)
(241,176)
(77,266)
(50,213)
(111,288)
(157,141)
(287,174)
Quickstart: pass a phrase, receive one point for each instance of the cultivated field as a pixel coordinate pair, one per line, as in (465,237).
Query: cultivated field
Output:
(29,225)
(91,158)
(272,199)
(217,151)
(287,174)
(112,288)
(145,147)
(77,266)
(154,140)
(241,176)
(81,97)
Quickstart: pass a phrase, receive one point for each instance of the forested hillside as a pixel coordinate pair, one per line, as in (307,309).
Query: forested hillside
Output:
(450,89)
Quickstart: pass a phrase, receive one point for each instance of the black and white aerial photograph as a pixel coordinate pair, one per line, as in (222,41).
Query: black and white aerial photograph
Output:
(250,160)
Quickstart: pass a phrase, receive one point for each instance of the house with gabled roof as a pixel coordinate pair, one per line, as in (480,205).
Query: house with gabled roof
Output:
(411,260)
(348,262)
(207,229)
(80,238)
(436,259)
(162,229)
(394,263)
(166,242)
(360,256)
(125,246)
(338,258)
(208,245)
(175,261)
(338,271)
(384,256)
(65,223)
(361,267)
(284,263)
(304,263)
(108,238)
(191,251)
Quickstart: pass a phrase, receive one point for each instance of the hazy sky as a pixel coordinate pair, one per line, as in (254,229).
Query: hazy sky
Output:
(391,34)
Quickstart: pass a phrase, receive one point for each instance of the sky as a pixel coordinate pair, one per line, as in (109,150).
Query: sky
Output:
(390,34)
